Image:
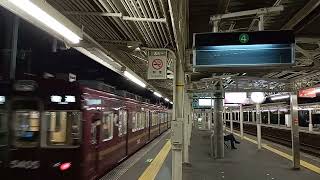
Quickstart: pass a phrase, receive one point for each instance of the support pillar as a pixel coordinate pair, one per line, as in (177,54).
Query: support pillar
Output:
(258,125)
(241,121)
(231,122)
(185,130)
(248,116)
(269,121)
(278,117)
(253,117)
(177,123)
(295,130)
(218,122)
(310,121)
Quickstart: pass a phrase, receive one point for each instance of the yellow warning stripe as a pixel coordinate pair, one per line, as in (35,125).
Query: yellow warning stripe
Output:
(151,172)
(303,163)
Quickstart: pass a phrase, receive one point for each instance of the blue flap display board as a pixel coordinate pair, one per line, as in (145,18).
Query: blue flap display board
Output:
(243,49)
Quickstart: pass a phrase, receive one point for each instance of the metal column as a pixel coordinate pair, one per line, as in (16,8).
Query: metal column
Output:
(253,117)
(185,130)
(269,121)
(295,130)
(278,117)
(248,116)
(310,121)
(218,122)
(177,123)
(258,117)
(231,122)
(241,121)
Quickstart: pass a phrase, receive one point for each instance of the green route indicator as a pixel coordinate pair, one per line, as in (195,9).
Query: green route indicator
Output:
(244,38)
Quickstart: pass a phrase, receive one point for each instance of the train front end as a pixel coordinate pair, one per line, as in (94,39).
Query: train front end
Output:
(43,125)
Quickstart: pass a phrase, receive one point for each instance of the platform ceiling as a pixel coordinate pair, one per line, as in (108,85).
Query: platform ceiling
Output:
(150,25)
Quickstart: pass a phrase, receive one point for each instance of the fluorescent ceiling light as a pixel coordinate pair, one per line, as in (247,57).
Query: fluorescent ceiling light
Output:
(166,99)
(111,65)
(171,102)
(257,97)
(157,94)
(274,98)
(37,13)
(134,79)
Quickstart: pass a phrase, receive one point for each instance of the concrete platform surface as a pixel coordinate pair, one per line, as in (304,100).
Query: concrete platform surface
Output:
(245,163)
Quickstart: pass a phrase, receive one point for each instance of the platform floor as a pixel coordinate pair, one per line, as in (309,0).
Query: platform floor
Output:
(245,163)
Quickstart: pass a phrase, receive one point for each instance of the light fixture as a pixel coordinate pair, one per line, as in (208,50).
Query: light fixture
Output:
(157,94)
(166,99)
(134,79)
(129,46)
(108,62)
(137,49)
(258,97)
(274,98)
(171,102)
(65,166)
(2,99)
(36,12)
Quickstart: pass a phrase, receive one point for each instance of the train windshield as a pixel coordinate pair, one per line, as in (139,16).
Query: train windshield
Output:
(26,118)
(27,124)
(63,127)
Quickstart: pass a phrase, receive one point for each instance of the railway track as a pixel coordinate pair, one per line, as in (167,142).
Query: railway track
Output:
(309,143)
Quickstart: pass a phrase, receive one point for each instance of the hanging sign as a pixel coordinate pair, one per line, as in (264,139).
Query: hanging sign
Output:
(157,68)
(243,49)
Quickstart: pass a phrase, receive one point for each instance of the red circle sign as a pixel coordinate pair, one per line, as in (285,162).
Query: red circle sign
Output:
(157,64)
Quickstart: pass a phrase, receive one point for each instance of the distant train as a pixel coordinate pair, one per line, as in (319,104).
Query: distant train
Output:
(53,129)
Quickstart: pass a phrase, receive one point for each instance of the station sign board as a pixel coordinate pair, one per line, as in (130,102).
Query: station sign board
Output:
(157,64)
(243,49)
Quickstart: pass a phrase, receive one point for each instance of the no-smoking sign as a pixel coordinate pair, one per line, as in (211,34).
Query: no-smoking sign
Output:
(157,68)
(157,64)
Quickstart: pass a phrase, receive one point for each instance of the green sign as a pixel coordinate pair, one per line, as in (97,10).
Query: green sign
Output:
(244,38)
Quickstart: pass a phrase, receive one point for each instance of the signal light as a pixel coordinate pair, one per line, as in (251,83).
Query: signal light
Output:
(65,166)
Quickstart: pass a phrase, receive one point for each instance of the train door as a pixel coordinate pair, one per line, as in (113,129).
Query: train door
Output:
(148,124)
(94,145)
(123,128)
(25,123)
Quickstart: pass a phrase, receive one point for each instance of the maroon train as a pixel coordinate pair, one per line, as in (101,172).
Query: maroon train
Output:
(53,129)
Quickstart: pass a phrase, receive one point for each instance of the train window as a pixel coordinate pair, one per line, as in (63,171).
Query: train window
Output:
(134,122)
(123,115)
(3,128)
(107,126)
(27,128)
(147,119)
(155,118)
(143,120)
(63,128)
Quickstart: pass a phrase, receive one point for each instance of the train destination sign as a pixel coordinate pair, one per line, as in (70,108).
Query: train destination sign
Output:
(243,49)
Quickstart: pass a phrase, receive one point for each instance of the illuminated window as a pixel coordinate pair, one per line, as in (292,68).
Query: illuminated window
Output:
(27,128)
(155,118)
(147,119)
(63,128)
(123,116)
(107,126)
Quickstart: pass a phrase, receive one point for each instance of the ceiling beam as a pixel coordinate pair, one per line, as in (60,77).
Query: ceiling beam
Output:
(246,13)
(301,14)
(119,15)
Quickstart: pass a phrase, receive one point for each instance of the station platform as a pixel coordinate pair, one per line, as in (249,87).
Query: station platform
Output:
(245,163)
